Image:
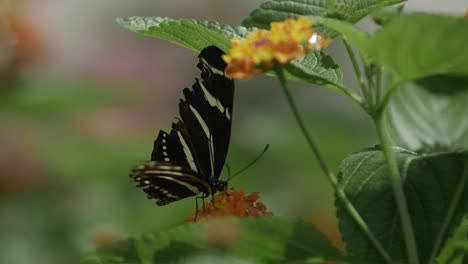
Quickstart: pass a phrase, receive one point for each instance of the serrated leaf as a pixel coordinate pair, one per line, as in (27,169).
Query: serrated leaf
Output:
(429,184)
(278,10)
(419,45)
(430,114)
(315,67)
(189,33)
(196,35)
(266,240)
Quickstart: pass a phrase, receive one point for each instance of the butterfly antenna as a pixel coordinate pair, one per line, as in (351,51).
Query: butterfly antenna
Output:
(250,164)
(228,168)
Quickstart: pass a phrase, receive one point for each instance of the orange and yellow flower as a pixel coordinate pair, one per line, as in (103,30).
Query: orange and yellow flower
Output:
(262,49)
(230,203)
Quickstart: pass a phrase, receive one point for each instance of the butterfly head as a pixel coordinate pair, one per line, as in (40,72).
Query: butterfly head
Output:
(219,186)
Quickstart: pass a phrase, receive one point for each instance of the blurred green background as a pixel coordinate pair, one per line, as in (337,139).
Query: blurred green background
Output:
(81,101)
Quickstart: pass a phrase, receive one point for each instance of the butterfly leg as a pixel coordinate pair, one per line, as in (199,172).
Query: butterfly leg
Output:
(196,205)
(196,209)
(203,199)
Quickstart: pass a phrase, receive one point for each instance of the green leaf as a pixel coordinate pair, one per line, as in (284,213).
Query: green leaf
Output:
(350,33)
(444,84)
(385,15)
(456,246)
(430,114)
(419,45)
(278,10)
(315,67)
(262,239)
(430,183)
(460,253)
(196,35)
(188,33)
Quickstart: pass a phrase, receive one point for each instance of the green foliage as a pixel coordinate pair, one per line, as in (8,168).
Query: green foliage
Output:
(419,45)
(278,10)
(429,184)
(430,114)
(188,33)
(350,33)
(385,15)
(402,49)
(196,35)
(271,240)
(317,68)
(457,246)
(424,104)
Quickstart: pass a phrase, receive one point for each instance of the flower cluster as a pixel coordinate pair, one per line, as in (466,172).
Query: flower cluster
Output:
(230,203)
(262,49)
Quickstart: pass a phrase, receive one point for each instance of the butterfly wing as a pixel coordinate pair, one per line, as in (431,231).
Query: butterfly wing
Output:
(173,147)
(207,113)
(171,174)
(184,160)
(167,182)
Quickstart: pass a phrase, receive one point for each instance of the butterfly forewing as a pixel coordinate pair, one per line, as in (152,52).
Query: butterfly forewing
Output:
(207,113)
(188,160)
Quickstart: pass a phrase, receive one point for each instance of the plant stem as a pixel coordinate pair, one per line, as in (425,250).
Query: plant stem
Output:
(386,97)
(330,176)
(347,92)
(398,192)
(378,85)
(292,105)
(450,212)
(357,71)
(371,87)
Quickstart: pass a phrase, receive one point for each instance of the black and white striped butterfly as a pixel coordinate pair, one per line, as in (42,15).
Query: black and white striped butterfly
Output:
(188,160)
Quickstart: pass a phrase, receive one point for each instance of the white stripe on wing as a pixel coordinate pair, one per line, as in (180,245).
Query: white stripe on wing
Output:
(209,137)
(188,153)
(192,188)
(214,102)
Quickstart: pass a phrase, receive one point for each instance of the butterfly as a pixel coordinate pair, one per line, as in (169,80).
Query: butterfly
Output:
(188,160)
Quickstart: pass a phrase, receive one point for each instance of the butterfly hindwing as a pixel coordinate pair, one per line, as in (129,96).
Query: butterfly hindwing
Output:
(168,183)
(173,147)
(188,160)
